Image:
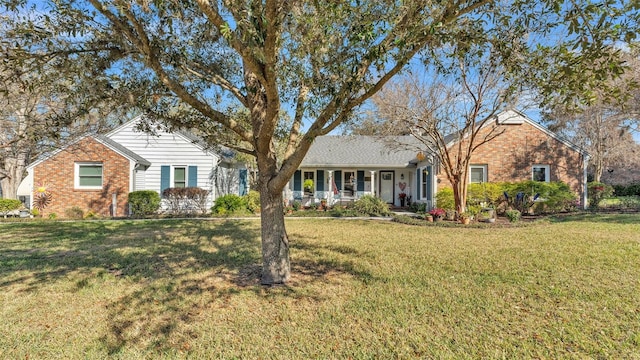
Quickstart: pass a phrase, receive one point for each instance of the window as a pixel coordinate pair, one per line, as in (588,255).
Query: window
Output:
(540,173)
(88,176)
(179,177)
(424,182)
(477,173)
(308,184)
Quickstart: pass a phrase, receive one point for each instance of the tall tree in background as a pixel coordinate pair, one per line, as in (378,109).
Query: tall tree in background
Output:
(37,114)
(605,125)
(189,63)
(448,108)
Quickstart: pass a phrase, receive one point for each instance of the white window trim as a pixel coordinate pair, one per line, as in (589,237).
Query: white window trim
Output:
(355,181)
(423,182)
(172,175)
(484,172)
(547,173)
(76,175)
(313,190)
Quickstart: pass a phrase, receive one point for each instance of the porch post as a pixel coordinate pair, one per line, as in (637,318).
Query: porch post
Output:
(330,198)
(373,182)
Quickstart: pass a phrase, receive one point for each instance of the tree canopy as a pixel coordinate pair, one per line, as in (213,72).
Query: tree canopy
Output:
(192,64)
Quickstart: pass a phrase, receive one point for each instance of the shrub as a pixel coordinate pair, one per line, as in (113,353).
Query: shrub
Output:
(597,191)
(627,190)
(252,199)
(296,205)
(144,202)
(186,200)
(444,199)
(484,194)
(53,216)
(418,207)
(539,196)
(371,206)
(7,205)
(513,215)
(74,213)
(92,215)
(229,204)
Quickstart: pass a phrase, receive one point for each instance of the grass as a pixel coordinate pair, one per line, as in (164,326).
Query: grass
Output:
(566,288)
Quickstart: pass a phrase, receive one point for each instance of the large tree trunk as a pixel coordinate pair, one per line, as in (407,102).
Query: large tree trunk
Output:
(460,195)
(276,267)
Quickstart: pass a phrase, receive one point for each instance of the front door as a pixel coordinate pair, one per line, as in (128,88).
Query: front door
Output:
(386,186)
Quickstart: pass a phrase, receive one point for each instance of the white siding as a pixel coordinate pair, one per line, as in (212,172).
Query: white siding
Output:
(165,149)
(139,176)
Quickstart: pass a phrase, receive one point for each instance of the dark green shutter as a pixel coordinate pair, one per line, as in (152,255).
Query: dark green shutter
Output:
(338,177)
(165,178)
(193,176)
(360,180)
(418,183)
(297,181)
(320,182)
(243,182)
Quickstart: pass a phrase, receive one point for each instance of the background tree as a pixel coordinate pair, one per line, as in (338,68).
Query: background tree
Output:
(189,63)
(605,125)
(37,115)
(448,108)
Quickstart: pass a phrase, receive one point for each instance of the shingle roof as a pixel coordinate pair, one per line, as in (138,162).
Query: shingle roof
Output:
(362,151)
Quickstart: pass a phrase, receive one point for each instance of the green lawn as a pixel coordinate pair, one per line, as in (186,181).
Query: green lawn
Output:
(568,288)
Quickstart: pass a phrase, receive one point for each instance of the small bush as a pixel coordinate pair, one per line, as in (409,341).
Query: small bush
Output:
(444,199)
(7,205)
(186,200)
(627,190)
(74,213)
(597,192)
(538,196)
(484,194)
(252,199)
(53,216)
(418,207)
(296,205)
(229,204)
(371,206)
(513,215)
(144,202)
(92,215)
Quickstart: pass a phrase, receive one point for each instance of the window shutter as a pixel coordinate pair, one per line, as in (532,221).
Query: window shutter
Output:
(297,181)
(165,178)
(320,182)
(360,180)
(243,182)
(193,176)
(429,182)
(338,176)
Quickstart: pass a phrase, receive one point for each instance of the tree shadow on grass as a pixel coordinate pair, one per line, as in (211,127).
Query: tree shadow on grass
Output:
(171,271)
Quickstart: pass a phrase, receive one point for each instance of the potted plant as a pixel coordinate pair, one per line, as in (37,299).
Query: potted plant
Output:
(465,218)
(323,204)
(308,186)
(428,217)
(437,214)
(403,198)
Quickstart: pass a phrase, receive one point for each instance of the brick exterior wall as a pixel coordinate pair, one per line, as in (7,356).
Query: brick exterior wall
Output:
(58,174)
(511,156)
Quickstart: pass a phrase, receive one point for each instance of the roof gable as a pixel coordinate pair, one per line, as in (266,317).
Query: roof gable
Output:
(114,146)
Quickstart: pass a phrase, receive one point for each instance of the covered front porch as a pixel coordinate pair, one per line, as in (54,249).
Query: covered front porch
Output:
(345,185)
